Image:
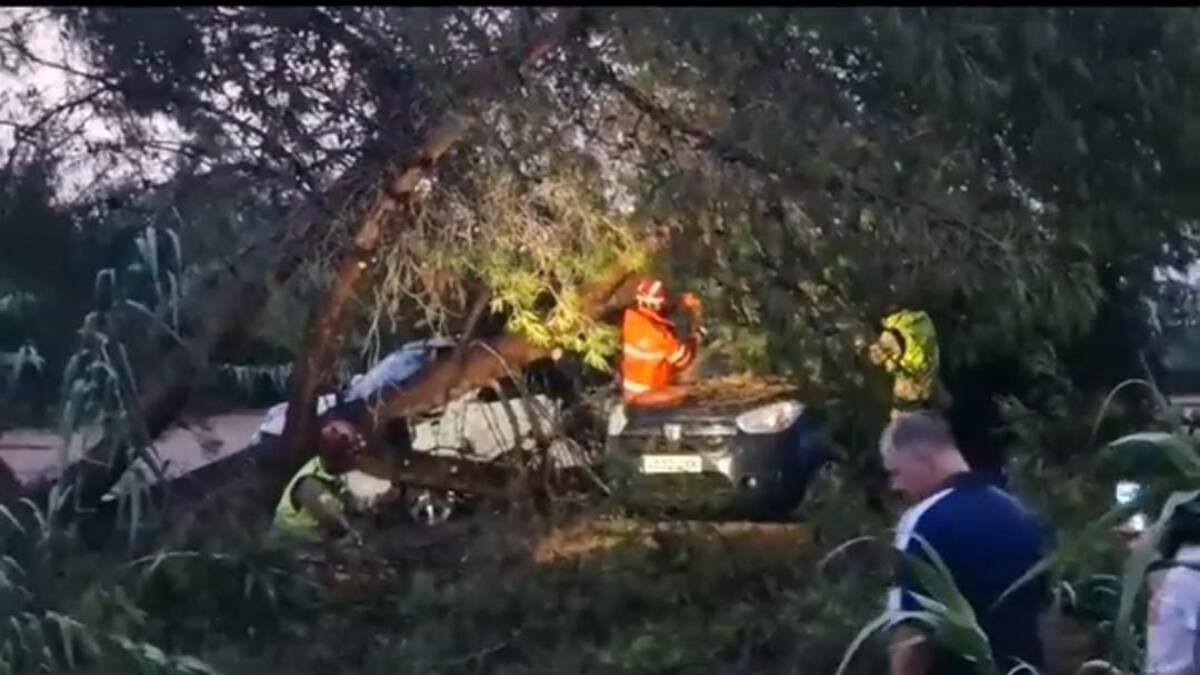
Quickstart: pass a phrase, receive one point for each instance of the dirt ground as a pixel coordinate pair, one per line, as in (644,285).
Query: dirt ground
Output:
(589,538)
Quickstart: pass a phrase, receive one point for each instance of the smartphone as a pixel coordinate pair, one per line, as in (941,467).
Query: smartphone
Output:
(1126,492)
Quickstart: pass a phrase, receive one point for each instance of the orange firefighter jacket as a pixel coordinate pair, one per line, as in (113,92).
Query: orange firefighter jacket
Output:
(651,354)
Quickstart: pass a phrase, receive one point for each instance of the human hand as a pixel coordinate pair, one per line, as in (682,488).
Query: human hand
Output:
(875,353)
(690,300)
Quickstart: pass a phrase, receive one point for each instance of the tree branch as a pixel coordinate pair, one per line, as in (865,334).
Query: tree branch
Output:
(483,362)
(704,141)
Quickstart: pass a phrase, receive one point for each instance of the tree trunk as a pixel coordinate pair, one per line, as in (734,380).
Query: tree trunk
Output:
(233,484)
(483,362)
(312,369)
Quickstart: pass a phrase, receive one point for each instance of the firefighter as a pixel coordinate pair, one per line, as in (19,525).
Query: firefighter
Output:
(315,501)
(907,348)
(652,354)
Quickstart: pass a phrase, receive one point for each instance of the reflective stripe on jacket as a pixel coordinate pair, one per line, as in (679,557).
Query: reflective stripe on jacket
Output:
(917,367)
(293,519)
(651,354)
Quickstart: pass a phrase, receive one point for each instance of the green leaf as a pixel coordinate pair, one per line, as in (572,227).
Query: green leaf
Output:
(880,622)
(1149,454)
(1094,529)
(66,631)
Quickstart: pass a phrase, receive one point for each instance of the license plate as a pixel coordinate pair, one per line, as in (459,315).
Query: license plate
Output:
(672,464)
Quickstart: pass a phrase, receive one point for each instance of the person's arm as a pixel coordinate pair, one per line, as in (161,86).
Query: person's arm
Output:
(681,353)
(329,512)
(909,651)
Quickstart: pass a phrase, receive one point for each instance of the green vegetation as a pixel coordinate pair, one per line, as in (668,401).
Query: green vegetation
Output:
(1025,175)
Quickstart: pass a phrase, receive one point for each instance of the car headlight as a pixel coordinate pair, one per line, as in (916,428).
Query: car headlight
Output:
(617,421)
(770,419)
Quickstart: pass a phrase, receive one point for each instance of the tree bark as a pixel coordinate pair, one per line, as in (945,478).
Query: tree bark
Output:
(312,369)
(486,361)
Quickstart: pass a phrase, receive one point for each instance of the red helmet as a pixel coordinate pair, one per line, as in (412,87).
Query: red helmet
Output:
(340,444)
(652,293)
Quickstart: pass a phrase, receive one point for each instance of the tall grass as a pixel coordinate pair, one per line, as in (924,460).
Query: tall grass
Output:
(99,397)
(41,629)
(35,636)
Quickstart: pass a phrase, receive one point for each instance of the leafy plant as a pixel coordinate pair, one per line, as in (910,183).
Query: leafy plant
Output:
(229,590)
(39,629)
(532,243)
(12,364)
(1167,464)
(13,305)
(99,399)
(250,380)
(34,635)
(944,612)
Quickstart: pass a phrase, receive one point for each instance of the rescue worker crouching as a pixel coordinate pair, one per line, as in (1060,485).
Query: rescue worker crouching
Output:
(316,499)
(653,357)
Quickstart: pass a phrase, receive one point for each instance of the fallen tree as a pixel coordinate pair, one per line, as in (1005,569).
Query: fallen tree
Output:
(229,307)
(235,482)
(385,216)
(483,362)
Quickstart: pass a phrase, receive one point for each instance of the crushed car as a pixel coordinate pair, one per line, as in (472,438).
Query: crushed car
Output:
(481,425)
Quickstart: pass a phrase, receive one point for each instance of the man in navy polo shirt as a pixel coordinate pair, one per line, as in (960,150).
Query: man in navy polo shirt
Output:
(986,538)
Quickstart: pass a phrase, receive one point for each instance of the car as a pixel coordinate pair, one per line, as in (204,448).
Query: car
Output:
(481,425)
(765,451)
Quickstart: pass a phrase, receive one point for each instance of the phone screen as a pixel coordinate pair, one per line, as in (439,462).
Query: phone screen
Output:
(1127,491)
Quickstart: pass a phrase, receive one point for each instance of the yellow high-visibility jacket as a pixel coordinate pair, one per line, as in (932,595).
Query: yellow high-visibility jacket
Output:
(293,519)
(916,368)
